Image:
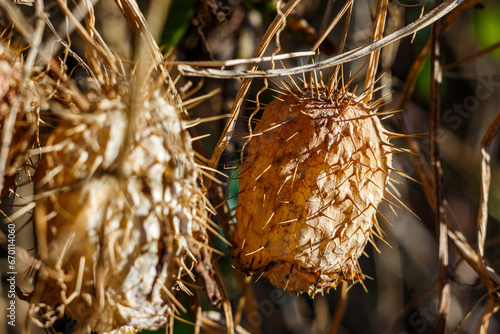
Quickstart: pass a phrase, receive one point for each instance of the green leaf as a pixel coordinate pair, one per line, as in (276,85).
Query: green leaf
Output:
(178,20)
(485,25)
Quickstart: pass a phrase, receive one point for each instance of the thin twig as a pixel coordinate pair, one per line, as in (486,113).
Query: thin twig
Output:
(487,276)
(332,25)
(357,53)
(8,126)
(491,308)
(424,51)
(469,312)
(482,217)
(245,86)
(235,62)
(226,305)
(84,34)
(340,309)
(378,33)
(473,56)
(437,171)
(26,31)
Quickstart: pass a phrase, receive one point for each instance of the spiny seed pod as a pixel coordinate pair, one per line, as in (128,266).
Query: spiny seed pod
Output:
(19,114)
(316,169)
(120,219)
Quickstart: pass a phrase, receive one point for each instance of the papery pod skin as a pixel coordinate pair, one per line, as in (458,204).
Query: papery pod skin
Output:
(125,330)
(118,221)
(24,101)
(315,172)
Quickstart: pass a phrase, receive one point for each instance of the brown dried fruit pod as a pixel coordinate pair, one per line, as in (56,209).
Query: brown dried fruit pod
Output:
(309,188)
(120,221)
(21,129)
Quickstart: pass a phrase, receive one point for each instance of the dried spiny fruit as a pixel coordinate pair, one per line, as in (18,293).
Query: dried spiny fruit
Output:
(316,169)
(120,221)
(19,113)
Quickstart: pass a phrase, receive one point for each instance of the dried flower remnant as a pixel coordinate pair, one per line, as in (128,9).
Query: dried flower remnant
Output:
(317,167)
(121,221)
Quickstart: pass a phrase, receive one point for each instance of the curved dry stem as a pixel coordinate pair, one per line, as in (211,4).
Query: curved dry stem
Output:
(348,56)
(492,307)
(245,86)
(8,126)
(482,217)
(437,171)
(431,187)
(26,31)
(378,33)
(347,6)
(83,7)
(225,299)
(339,310)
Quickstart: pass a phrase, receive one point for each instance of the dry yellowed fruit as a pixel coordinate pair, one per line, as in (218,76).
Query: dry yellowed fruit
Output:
(120,219)
(19,115)
(316,170)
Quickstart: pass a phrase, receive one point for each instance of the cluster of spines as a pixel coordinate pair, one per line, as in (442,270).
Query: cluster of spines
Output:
(337,93)
(201,170)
